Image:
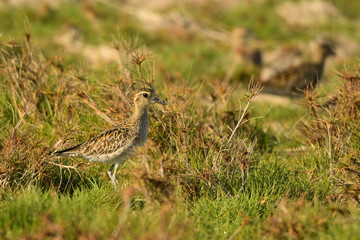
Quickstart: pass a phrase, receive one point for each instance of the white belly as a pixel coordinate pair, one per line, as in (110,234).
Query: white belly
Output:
(119,157)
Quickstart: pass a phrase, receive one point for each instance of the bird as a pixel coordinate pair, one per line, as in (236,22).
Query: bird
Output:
(296,79)
(118,144)
(279,59)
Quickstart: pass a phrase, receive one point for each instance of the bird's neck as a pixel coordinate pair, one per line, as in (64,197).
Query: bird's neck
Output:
(141,128)
(140,115)
(319,58)
(319,61)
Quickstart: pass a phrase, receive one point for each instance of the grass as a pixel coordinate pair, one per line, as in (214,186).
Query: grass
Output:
(288,171)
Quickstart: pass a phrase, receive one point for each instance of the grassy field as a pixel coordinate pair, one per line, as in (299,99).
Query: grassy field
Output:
(221,162)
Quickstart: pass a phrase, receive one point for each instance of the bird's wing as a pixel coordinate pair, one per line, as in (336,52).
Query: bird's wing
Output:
(105,143)
(283,79)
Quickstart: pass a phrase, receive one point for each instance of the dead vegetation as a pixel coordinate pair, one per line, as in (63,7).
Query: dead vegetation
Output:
(200,153)
(334,130)
(295,220)
(43,93)
(211,168)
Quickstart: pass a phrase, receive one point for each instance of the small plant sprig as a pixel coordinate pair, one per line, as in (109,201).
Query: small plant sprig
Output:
(136,57)
(254,88)
(242,152)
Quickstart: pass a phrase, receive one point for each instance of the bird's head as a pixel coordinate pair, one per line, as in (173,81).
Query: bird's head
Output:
(147,96)
(327,48)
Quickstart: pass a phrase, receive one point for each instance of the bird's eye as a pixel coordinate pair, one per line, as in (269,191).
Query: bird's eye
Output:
(145,95)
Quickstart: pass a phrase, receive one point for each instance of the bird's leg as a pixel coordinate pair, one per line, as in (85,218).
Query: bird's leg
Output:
(115,171)
(110,170)
(112,175)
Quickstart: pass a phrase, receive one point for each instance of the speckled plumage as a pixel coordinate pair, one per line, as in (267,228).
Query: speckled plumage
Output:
(120,143)
(298,78)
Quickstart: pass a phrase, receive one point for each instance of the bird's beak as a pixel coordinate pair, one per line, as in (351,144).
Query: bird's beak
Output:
(158,100)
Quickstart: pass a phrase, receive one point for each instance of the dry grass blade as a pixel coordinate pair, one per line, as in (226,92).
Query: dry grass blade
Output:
(135,56)
(254,88)
(92,105)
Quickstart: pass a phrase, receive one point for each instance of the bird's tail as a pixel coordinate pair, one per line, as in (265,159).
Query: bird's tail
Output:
(69,152)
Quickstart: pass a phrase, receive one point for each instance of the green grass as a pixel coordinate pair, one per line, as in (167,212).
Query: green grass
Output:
(187,182)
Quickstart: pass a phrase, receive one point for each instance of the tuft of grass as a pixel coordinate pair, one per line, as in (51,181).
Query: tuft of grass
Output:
(333,130)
